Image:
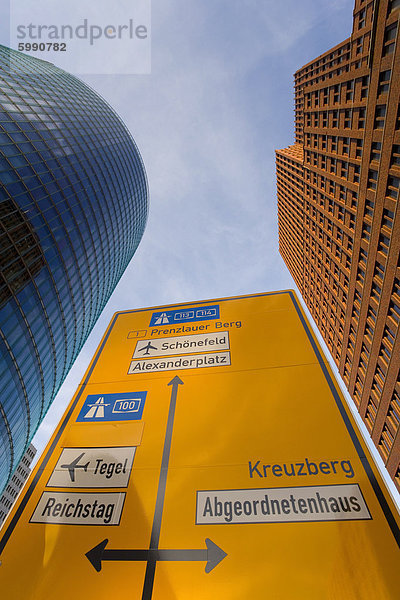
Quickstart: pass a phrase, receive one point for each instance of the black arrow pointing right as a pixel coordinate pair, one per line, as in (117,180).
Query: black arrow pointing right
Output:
(213,554)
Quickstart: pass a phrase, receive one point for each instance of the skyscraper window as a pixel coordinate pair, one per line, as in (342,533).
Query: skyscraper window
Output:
(73,208)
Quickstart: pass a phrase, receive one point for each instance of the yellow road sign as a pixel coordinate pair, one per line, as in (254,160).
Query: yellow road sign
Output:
(208,453)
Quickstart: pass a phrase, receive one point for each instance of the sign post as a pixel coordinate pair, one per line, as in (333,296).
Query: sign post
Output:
(208,453)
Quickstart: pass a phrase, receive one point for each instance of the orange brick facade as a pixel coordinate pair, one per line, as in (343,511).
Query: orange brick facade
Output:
(339,224)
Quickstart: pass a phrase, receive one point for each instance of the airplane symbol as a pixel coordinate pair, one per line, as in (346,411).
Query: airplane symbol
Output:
(148,347)
(74,465)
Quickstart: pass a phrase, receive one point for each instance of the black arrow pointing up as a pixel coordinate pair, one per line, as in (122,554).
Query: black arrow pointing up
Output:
(162,483)
(213,554)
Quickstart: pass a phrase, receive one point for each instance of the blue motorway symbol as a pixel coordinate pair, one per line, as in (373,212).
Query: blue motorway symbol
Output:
(193,313)
(126,406)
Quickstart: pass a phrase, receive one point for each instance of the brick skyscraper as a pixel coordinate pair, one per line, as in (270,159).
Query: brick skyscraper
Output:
(339,225)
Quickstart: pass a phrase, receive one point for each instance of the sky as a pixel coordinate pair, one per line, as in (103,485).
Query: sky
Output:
(207,120)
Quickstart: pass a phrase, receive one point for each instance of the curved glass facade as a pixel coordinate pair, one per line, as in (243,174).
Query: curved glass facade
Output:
(73,208)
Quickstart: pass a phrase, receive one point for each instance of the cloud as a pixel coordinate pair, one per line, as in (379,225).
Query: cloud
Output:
(207,120)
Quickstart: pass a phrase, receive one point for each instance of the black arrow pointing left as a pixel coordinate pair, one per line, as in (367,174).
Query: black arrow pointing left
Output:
(213,554)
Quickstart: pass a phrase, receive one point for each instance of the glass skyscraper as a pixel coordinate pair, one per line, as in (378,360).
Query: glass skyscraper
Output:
(73,208)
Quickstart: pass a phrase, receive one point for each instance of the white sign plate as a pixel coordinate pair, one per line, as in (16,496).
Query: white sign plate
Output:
(93,468)
(79,509)
(278,505)
(182,344)
(191,361)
